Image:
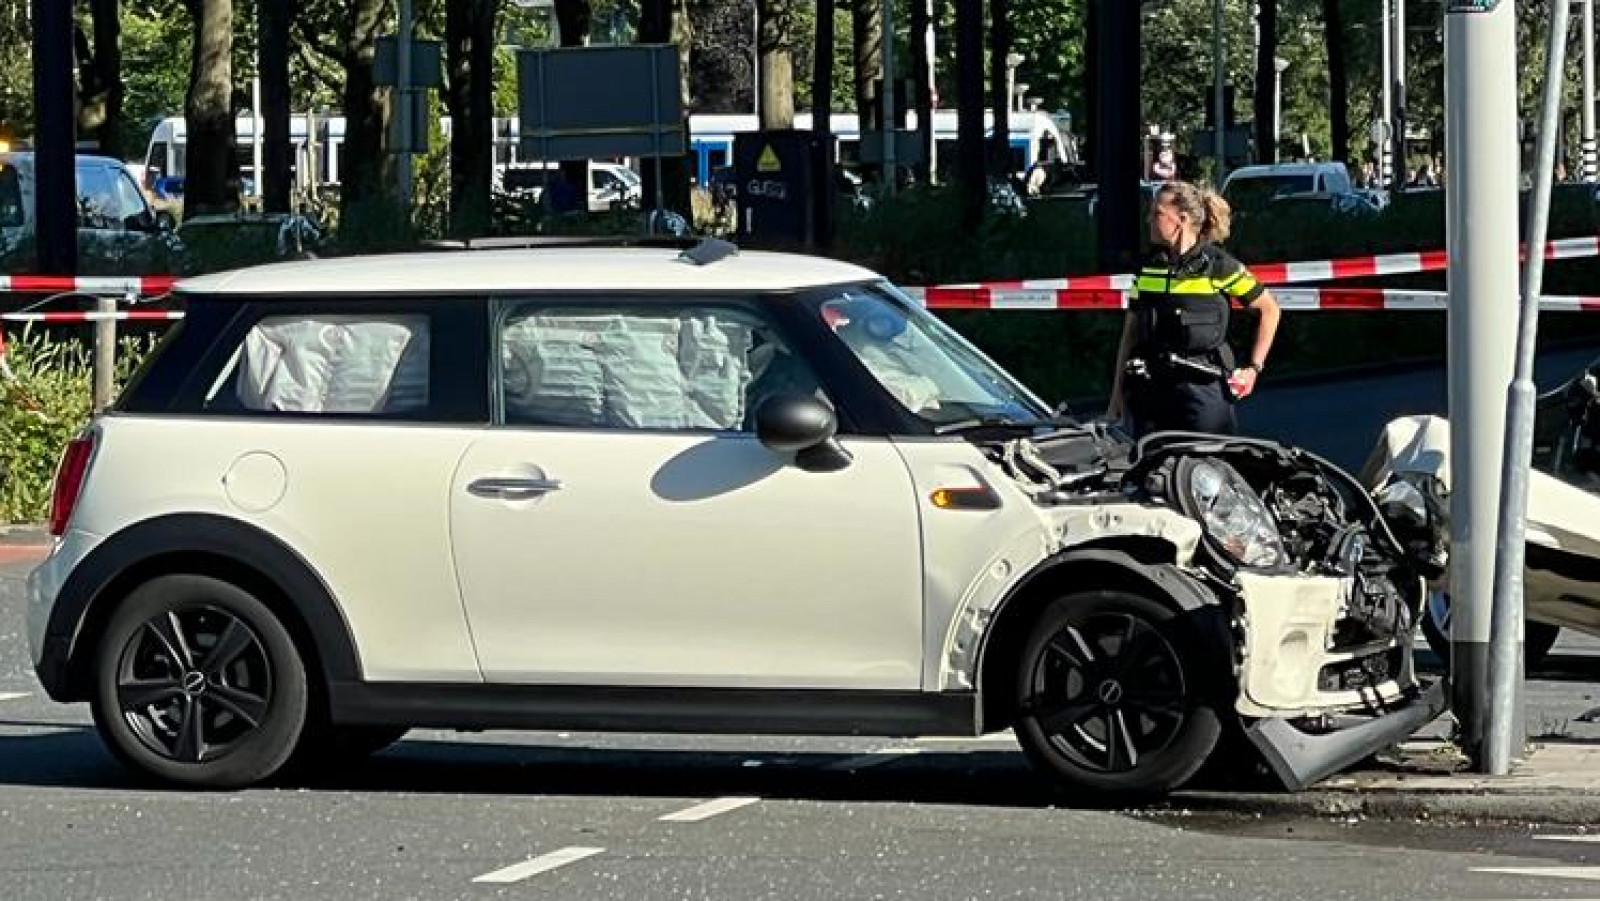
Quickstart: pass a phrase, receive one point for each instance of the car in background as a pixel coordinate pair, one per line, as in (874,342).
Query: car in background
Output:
(222,241)
(611,185)
(116,224)
(1561,577)
(1252,188)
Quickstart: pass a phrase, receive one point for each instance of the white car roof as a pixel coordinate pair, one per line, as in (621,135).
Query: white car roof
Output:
(545,269)
(1281,169)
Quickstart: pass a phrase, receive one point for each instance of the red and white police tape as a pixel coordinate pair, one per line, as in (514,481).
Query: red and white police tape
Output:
(1094,292)
(1332,299)
(141,285)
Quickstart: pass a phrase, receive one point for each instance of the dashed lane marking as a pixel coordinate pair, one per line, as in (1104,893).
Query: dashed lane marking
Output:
(544,863)
(708,810)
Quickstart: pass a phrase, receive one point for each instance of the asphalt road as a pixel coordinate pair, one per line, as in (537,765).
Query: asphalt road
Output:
(574,816)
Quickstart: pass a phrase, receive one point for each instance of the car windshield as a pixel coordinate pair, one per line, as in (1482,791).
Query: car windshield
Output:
(1566,441)
(930,369)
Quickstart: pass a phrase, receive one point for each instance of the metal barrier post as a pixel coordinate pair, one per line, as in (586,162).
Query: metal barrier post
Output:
(105,353)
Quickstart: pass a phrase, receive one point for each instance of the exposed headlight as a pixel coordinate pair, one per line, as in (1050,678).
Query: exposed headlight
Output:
(1233,514)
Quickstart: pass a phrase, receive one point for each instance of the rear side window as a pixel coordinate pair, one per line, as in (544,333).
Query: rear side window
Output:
(356,364)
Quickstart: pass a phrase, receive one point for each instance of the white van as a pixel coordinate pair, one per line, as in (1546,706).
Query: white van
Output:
(610,184)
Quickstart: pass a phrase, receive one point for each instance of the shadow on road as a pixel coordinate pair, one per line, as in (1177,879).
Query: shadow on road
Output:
(75,758)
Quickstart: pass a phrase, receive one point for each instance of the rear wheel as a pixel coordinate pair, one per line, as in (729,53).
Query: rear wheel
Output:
(1113,695)
(198,683)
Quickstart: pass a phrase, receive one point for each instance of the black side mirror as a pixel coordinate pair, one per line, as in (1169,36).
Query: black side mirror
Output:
(804,426)
(141,221)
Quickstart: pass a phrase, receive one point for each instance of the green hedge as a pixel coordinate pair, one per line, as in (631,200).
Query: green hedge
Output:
(41,408)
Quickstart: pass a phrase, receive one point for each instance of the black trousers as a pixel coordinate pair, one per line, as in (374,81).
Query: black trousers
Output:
(1175,404)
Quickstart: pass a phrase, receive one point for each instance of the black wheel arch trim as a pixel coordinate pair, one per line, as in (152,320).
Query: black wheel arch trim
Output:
(138,551)
(1162,580)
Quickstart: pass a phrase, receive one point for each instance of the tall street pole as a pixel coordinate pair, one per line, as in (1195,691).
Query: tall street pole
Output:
(1591,165)
(1481,186)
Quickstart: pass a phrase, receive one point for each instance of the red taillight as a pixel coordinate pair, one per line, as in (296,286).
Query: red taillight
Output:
(69,482)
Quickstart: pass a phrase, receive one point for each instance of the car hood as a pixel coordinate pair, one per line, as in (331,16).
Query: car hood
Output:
(1417,449)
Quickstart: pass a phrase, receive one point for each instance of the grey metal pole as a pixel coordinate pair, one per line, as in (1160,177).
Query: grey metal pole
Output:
(1481,187)
(402,92)
(1397,115)
(1218,138)
(890,160)
(1591,165)
(1506,733)
(1386,113)
(104,362)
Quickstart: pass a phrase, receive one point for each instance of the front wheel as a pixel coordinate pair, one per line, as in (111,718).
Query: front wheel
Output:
(1538,638)
(199,684)
(1113,696)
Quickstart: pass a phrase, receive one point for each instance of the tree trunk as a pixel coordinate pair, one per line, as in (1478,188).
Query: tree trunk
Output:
(776,60)
(108,74)
(866,35)
(922,89)
(469,42)
(969,101)
(575,18)
(999,87)
(211,180)
(277,149)
(1091,88)
(362,163)
(667,22)
(1266,81)
(1338,86)
(822,125)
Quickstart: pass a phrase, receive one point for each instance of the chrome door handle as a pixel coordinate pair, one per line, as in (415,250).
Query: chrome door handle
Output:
(512,488)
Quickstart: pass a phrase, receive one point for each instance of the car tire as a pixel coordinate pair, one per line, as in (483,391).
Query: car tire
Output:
(1538,638)
(1115,695)
(198,684)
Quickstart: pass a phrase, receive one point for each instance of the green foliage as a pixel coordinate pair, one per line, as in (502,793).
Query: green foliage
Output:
(41,409)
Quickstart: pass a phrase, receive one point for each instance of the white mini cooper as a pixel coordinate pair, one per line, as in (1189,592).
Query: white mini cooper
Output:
(686,489)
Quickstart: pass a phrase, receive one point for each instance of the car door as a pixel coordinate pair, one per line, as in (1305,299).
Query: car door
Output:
(624,525)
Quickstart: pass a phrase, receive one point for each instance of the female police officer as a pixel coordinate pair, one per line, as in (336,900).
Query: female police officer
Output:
(1175,370)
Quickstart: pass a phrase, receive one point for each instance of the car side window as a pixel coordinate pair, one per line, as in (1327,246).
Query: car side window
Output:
(129,201)
(647,366)
(97,204)
(362,364)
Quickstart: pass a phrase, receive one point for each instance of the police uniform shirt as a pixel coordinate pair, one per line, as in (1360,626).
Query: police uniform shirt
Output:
(1181,301)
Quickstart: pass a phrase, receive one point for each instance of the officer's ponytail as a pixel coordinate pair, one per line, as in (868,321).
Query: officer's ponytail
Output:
(1218,222)
(1201,205)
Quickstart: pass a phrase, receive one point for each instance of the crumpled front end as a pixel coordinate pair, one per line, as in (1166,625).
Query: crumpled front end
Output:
(1321,595)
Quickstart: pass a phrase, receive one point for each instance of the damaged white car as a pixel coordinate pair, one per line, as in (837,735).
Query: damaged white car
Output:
(628,488)
(1561,575)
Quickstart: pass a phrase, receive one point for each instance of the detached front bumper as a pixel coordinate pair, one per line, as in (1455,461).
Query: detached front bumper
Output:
(1300,758)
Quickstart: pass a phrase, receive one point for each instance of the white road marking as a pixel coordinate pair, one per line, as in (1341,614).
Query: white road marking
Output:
(1592,873)
(1594,839)
(707,810)
(995,738)
(876,758)
(544,863)
(12,695)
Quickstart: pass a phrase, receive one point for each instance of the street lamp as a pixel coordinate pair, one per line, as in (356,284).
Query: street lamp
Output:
(1013,60)
(1278,65)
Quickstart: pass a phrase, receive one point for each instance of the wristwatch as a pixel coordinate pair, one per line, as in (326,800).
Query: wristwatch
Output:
(1253,365)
